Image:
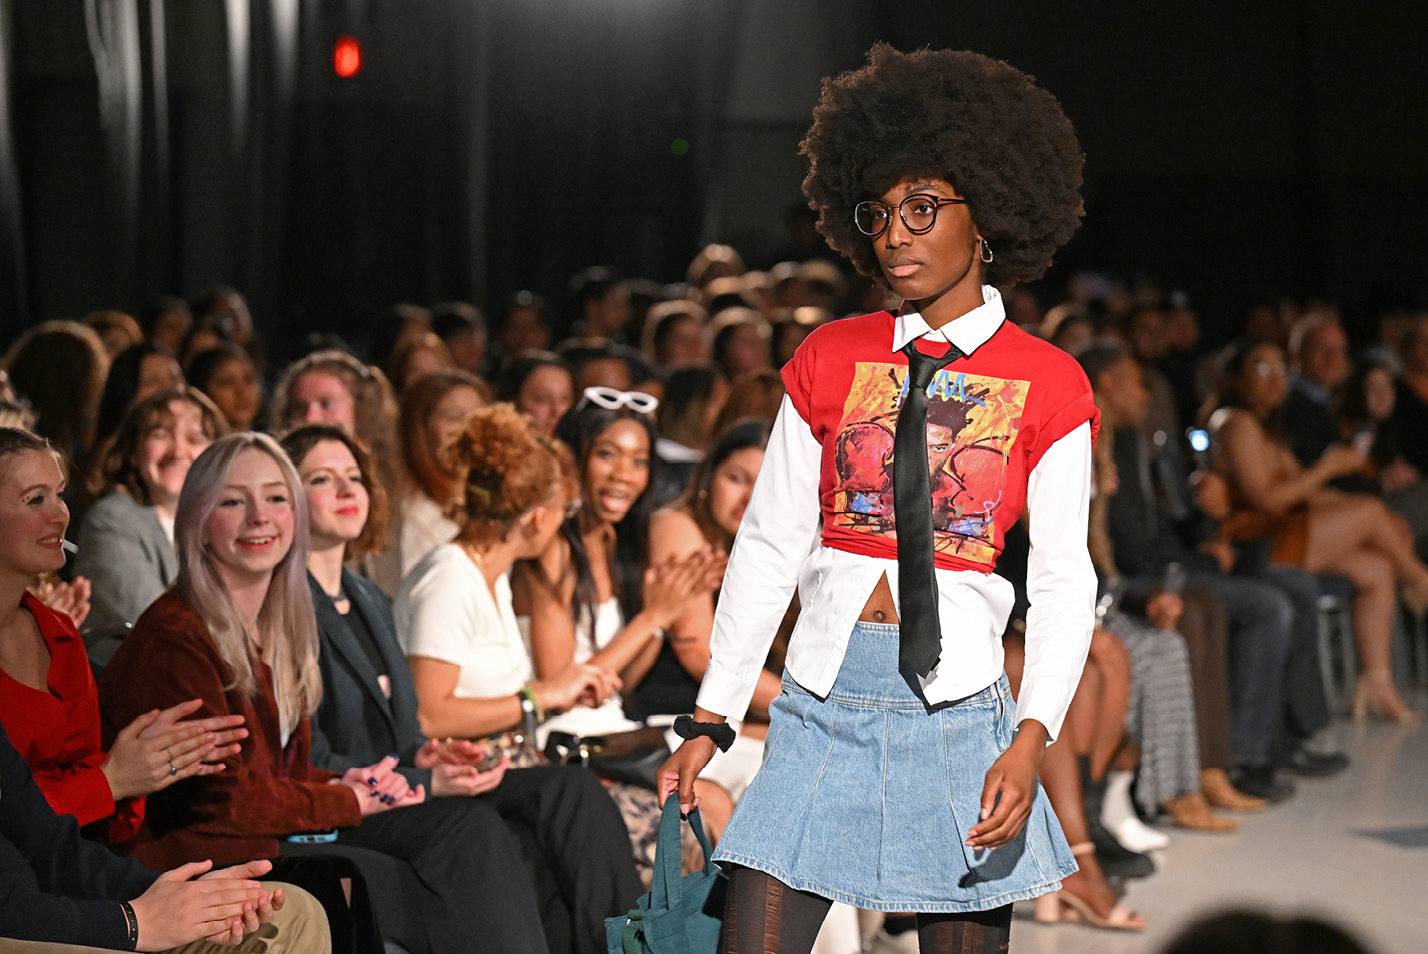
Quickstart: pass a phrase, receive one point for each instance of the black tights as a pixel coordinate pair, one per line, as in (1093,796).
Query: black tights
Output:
(765,916)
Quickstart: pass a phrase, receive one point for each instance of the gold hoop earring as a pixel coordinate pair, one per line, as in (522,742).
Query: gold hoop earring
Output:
(985,253)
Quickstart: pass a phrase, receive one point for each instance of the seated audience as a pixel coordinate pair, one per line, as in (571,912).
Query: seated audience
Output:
(693,397)
(133,375)
(333,387)
(540,385)
(48,703)
(1097,714)
(369,708)
(165,320)
(599,304)
(462,328)
(230,379)
(59,367)
(524,324)
(675,334)
(753,395)
(1367,418)
(61,889)
(417,356)
(435,410)
(1276,498)
(238,632)
(1238,694)
(1319,364)
(126,540)
(473,669)
(116,329)
(741,341)
(706,517)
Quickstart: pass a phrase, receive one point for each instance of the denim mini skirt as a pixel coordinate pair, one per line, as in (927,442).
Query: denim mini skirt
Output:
(866,797)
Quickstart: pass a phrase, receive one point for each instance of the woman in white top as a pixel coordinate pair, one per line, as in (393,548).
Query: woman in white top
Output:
(435,407)
(473,671)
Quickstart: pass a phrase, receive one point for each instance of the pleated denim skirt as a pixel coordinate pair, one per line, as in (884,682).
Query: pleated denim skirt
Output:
(866,797)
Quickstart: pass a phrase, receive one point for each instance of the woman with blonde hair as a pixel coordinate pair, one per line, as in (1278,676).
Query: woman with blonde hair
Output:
(238,632)
(333,387)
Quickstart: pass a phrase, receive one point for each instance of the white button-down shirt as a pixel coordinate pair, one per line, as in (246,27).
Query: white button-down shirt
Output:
(777,547)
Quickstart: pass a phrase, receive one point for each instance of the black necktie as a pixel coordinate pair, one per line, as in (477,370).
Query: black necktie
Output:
(920,632)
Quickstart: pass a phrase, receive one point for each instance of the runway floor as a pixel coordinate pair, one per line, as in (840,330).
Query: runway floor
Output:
(1353,848)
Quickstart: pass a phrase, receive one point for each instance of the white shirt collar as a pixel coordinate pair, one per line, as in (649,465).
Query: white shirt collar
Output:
(968,333)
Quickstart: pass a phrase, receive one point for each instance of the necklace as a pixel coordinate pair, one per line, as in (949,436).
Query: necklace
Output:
(475,556)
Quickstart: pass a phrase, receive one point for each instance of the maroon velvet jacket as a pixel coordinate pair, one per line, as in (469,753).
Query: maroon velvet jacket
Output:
(267,792)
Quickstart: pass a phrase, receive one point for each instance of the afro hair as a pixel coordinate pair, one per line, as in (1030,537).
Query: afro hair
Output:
(975,122)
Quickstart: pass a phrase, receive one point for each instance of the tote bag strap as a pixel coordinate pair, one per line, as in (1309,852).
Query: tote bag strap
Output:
(667,889)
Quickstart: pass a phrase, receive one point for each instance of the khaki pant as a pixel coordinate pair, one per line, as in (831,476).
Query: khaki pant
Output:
(299,928)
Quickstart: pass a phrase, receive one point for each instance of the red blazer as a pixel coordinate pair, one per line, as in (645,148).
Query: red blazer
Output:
(57,732)
(268,791)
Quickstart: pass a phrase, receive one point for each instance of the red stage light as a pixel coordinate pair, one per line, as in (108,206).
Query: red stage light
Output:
(347,57)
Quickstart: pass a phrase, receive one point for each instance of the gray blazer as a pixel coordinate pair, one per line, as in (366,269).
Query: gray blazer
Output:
(129,561)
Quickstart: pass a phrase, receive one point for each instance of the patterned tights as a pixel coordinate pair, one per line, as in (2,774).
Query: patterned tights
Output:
(763,915)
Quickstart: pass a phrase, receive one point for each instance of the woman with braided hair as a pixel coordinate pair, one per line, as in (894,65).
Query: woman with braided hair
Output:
(900,775)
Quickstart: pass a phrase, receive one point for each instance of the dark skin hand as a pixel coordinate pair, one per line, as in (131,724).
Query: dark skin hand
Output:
(1010,788)
(1007,794)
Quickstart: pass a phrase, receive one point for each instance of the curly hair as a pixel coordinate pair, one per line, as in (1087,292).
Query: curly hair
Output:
(977,123)
(508,469)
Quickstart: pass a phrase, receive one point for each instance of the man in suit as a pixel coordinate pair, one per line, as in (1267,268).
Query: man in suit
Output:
(58,890)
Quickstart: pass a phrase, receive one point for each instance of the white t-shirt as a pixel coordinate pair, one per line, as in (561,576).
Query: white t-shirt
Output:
(424,528)
(445,611)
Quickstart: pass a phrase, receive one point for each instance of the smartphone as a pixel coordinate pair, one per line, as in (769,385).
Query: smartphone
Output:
(314,837)
(492,758)
(1199,440)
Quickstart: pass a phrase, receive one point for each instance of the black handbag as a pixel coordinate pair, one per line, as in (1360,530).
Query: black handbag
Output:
(632,757)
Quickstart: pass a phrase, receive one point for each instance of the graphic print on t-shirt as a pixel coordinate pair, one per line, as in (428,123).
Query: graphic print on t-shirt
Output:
(972,423)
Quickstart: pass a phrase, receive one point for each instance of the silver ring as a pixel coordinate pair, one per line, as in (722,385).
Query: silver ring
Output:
(172,770)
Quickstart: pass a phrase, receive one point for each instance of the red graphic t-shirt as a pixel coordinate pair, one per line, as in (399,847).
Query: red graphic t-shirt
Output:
(990,417)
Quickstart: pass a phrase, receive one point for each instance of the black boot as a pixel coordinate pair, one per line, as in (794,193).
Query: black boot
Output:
(1116,859)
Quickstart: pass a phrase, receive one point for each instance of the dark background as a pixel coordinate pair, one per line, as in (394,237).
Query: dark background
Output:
(1237,150)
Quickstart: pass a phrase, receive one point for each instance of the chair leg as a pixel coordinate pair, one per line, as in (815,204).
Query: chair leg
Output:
(1327,656)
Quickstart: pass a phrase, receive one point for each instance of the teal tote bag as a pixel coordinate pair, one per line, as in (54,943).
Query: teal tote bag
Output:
(678,916)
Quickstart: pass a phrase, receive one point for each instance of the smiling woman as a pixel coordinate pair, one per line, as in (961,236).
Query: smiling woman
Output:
(238,632)
(47,697)
(126,540)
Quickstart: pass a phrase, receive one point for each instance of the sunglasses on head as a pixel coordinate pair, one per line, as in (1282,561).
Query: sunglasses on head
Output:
(612,400)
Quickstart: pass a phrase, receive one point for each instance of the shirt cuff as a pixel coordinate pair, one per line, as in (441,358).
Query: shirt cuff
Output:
(726,693)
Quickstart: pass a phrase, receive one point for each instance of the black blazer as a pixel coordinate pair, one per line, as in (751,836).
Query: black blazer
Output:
(356,725)
(54,885)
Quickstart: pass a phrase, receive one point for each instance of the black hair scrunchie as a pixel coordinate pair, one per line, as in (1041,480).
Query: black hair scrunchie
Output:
(721,732)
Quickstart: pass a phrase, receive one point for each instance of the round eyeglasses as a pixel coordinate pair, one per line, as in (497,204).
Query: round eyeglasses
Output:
(918,212)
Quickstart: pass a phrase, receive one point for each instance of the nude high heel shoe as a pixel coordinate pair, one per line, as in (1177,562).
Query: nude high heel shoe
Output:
(1063,905)
(1376,694)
